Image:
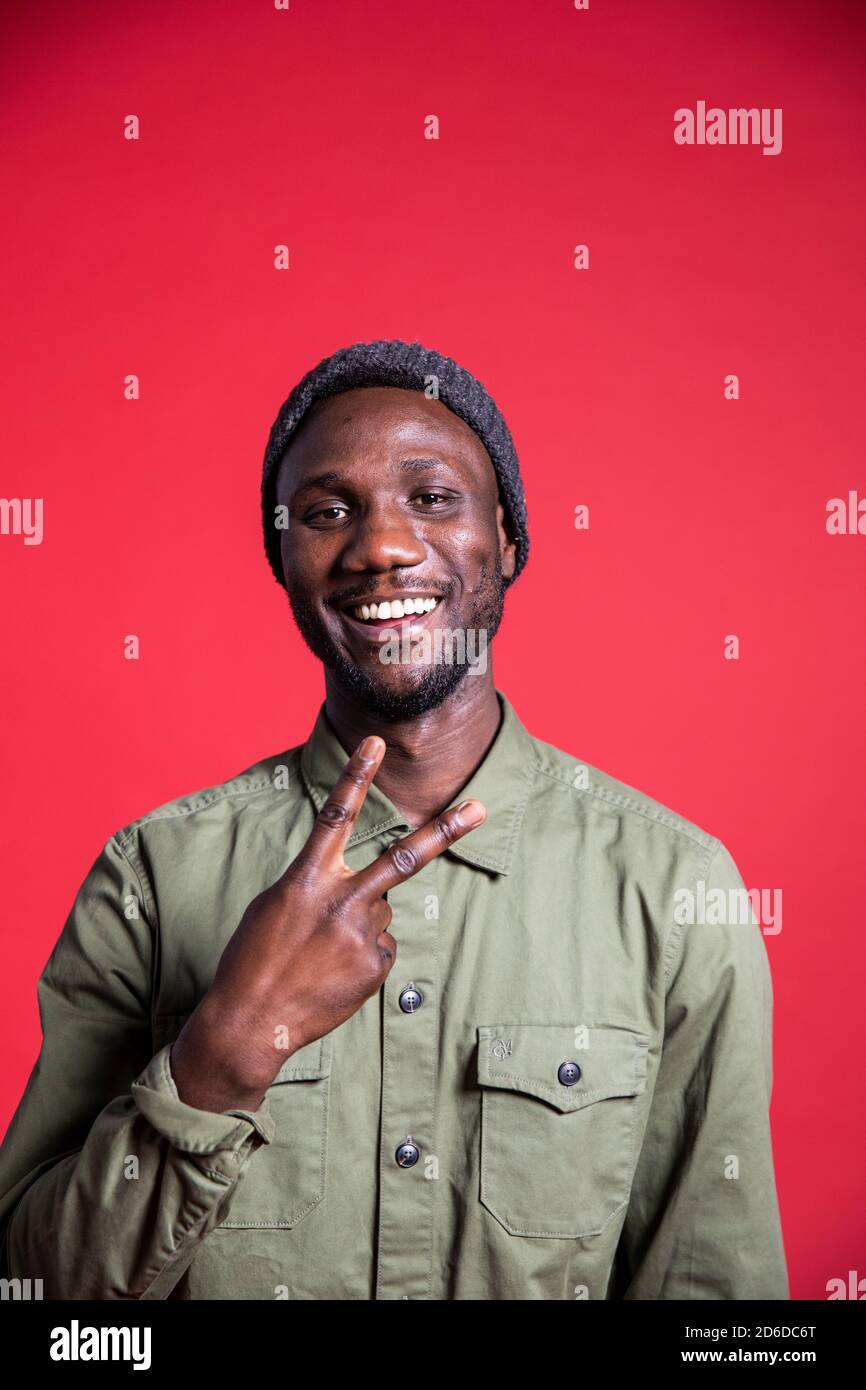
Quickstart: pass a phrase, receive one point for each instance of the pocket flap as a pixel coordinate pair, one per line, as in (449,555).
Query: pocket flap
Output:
(527,1057)
(309,1063)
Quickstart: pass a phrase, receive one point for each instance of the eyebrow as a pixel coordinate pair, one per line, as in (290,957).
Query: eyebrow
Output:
(328,480)
(321,480)
(420,464)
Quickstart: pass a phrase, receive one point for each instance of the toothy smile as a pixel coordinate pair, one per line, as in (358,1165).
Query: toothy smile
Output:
(393,608)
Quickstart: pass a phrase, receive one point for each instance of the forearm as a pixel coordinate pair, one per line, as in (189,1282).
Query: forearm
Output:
(124,1217)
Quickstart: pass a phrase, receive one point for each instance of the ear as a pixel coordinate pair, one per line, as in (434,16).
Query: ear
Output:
(507,544)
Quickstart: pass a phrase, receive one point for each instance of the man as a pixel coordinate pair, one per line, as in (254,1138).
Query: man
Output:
(408,1012)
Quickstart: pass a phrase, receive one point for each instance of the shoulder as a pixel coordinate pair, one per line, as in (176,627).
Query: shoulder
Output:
(266,781)
(591,795)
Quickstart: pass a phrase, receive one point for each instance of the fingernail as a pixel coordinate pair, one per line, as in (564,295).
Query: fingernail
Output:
(470,813)
(369,749)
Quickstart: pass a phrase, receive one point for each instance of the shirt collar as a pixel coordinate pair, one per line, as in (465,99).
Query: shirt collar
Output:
(502,783)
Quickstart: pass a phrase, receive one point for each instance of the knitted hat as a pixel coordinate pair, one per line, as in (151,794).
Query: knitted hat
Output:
(412,366)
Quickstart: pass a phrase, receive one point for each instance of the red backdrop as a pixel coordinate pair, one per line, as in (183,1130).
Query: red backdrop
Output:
(707,515)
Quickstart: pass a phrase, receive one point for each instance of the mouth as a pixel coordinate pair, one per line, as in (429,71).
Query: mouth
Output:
(379,615)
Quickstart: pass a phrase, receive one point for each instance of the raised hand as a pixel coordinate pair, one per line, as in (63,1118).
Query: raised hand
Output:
(308,951)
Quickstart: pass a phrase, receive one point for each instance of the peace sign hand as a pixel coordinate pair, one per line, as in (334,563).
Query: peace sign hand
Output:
(308,951)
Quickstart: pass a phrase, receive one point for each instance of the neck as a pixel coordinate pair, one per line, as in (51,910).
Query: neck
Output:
(430,758)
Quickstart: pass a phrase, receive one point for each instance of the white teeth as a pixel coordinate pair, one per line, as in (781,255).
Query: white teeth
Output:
(397,608)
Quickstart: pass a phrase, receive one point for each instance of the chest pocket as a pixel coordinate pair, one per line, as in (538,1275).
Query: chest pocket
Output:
(558,1159)
(284,1180)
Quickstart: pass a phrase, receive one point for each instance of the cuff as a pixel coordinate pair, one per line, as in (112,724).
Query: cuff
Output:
(195,1131)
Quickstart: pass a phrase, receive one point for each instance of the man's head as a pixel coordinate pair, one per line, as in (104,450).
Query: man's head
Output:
(390,474)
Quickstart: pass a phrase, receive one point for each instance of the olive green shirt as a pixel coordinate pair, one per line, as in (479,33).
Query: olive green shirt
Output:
(584,1079)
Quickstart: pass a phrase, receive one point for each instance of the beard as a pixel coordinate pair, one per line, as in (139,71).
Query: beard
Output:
(432,683)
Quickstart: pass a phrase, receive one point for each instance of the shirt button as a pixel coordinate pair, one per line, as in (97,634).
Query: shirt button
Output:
(408,1153)
(411,999)
(568,1073)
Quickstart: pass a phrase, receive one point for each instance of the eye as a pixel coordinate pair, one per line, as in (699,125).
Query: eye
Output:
(326,515)
(432,499)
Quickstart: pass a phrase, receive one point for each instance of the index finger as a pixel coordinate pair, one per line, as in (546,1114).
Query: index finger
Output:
(335,821)
(405,857)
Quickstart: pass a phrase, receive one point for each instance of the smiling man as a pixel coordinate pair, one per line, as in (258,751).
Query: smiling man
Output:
(405,1012)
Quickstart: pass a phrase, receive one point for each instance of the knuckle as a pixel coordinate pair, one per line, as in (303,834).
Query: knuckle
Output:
(381,916)
(333,815)
(402,858)
(445,828)
(387,947)
(355,775)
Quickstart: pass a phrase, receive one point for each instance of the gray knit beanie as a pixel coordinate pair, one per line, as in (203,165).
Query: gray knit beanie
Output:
(408,365)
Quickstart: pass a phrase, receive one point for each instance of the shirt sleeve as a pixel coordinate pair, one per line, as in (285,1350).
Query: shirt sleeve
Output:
(703,1217)
(109,1182)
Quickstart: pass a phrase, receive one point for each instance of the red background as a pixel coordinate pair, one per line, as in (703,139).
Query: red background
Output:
(707,516)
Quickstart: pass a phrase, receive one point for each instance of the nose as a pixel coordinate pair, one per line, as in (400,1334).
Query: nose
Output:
(381,540)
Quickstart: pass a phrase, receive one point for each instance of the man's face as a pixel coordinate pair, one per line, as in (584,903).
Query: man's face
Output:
(390,496)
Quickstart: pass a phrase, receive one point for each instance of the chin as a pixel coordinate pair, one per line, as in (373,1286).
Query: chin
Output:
(397,702)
